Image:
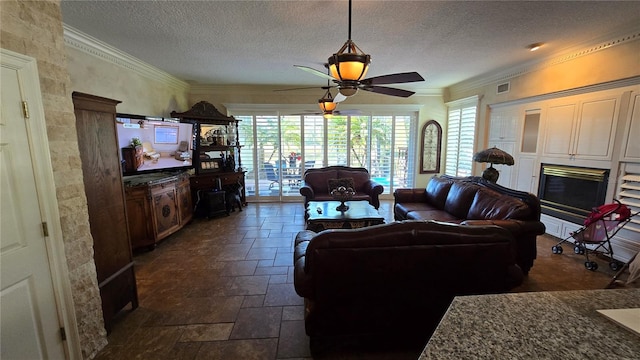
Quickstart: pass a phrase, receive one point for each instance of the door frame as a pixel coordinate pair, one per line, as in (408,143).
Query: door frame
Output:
(45,185)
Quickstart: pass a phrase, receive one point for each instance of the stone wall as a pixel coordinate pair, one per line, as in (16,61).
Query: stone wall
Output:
(34,28)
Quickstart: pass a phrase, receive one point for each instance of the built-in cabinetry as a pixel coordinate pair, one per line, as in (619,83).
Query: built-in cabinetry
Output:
(158,205)
(98,149)
(582,127)
(216,155)
(631,151)
(593,130)
(503,128)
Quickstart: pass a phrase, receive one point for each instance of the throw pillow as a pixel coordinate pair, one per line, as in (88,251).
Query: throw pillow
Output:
(335,183)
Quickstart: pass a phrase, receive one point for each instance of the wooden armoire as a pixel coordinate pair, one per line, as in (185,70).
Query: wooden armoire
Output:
(102,172)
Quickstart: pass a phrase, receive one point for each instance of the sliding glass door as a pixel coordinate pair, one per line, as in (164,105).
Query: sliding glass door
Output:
(277,150)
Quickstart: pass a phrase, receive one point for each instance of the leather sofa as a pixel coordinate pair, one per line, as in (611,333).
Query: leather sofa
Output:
(397,278)
(316,185)
(475,201)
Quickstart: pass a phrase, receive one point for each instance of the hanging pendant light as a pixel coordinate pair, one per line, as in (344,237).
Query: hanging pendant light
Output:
(326,103)
(349,65)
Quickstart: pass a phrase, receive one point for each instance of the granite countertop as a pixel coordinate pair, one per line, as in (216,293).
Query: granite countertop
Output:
(544,325)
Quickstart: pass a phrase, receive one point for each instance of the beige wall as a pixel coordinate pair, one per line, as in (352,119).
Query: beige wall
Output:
(139,94)
(34,28)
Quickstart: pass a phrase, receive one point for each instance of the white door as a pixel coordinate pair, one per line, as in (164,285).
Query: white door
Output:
(30,328)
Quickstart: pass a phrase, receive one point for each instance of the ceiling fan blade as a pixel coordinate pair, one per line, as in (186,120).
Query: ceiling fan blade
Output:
(339,98)
(314,72)
(347,112)
(393,79)
(303,88)
(388,91)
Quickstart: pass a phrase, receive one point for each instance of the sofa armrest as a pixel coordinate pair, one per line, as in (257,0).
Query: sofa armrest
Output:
(307,192)
(302,280)
(416,195)
(372,188)
(515,227)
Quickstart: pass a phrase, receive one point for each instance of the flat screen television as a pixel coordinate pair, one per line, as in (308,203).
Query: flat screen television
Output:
(167,144)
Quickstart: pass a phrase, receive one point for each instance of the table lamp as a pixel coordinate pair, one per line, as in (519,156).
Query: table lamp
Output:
(493,156)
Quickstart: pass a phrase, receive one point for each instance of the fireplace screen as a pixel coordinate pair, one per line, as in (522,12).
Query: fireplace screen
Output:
(571,193)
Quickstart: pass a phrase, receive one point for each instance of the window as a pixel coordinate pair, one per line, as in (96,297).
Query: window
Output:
(461,127)
(290,144)
(166,134)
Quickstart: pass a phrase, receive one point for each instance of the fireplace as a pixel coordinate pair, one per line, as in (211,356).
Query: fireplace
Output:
(570,193)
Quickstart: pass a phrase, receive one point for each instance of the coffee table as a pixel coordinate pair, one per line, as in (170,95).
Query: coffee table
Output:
(322,215)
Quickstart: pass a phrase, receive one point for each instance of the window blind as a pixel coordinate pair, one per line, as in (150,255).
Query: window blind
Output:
(461,127)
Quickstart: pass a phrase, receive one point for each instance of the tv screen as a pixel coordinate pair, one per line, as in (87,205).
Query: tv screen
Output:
(166,143)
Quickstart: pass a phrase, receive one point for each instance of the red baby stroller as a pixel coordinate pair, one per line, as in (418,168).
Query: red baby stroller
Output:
(599,228)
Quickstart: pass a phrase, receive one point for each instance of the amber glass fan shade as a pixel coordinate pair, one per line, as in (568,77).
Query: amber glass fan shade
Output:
(327,105)
(347,69)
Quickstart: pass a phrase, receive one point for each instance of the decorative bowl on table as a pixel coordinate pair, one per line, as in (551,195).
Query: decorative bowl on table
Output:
(342,194)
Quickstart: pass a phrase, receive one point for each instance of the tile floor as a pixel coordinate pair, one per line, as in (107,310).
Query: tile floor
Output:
(223,289)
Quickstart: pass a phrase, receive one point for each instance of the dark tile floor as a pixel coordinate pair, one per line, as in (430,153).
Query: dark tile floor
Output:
(223,289)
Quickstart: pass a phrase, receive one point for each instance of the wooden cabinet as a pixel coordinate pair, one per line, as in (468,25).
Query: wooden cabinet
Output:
(158,205)
(217,181)
(582,128)
(133,158)
(164,209)
(98,146)
(216,156)
(185,204)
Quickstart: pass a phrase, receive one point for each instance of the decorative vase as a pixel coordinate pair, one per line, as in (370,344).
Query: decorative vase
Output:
(342,194)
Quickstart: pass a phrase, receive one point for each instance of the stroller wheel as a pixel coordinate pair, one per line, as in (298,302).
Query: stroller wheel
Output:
(578,249)
(614,265)
(591,265)
(557,249)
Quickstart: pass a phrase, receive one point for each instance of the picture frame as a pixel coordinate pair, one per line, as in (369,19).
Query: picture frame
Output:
(430,147)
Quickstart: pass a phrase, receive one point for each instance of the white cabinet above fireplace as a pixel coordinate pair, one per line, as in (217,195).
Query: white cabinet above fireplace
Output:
(582,128)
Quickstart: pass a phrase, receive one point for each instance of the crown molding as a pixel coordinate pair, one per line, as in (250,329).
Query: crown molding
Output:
(261,89)
(522,69)
(286,108)
(615,84)
(87,44)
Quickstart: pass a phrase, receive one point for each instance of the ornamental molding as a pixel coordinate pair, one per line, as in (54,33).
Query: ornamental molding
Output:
(522,69)
(89,45)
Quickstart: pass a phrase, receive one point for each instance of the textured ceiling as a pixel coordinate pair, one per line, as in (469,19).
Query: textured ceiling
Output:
(258,42)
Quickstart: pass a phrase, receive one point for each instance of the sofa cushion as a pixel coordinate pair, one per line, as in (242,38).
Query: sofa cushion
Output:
(459,198)
(437,190)
(336,183)
(318,179)
(491,205)
(433,214)
(403,209)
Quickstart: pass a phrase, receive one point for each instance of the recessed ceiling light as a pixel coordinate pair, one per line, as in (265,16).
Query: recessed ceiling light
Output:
(535,46)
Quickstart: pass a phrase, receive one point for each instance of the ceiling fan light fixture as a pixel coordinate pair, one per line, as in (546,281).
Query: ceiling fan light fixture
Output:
(326,104)
(348,90)
(349,63)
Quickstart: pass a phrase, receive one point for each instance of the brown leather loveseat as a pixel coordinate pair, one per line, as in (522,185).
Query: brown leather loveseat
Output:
(475,201)
(397,278)
(317,183)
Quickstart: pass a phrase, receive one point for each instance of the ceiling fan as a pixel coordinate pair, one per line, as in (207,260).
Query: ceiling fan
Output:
(327,103)
(329,114)
(349,65)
